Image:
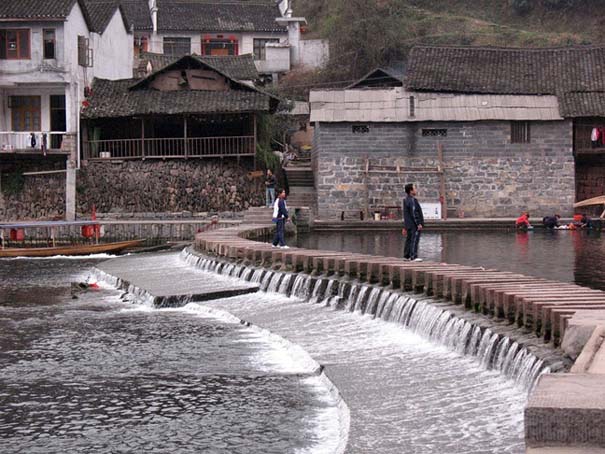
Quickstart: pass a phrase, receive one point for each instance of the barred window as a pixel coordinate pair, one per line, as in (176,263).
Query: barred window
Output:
(361,129)
(177,47)
(520,132)
(434,132)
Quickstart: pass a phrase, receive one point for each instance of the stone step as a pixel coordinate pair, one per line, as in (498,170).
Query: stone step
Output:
(566,410)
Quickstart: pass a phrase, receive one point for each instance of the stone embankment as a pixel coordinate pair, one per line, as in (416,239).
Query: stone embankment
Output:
(565,411)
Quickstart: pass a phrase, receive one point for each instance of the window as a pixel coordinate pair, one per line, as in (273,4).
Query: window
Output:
(259,47)
(84,52)
(141,44)
(25,113)
(412,106)
(177,47)
(520,132)
(360,129)
(49,43)
(434,132)
(14,44)
(220,46)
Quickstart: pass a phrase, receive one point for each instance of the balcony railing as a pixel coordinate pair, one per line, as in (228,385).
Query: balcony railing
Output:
(191,147)
(32,141)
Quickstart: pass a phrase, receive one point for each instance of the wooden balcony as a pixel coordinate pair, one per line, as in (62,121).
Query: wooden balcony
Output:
(164,148)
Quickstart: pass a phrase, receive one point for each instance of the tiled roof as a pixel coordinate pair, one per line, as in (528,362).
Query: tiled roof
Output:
(565,72)
(583,104)
(137,14)
(238,67)
(115,99)
(98,13)
(218,16)
(35,9)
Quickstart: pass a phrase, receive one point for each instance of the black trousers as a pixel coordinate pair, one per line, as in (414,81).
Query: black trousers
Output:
(412,239)
(280,229)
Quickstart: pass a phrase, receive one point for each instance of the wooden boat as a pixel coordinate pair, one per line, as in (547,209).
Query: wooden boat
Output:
(600,200)
(73,249)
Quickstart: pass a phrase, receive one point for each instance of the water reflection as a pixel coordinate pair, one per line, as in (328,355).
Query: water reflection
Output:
(564,255)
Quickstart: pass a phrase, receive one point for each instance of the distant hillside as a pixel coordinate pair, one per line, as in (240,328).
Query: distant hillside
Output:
(367,33)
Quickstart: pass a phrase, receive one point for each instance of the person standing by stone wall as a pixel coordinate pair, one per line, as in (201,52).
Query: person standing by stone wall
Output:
(413,220)
(280,216)
(270,182)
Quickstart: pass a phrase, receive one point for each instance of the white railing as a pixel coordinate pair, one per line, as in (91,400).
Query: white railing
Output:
(11,141)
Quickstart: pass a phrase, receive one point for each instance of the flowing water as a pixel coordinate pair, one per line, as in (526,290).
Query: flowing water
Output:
(415,377)
(107,373)
(98,375)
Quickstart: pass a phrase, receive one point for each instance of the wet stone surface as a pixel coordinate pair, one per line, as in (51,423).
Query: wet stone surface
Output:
(97,375)
(563,255)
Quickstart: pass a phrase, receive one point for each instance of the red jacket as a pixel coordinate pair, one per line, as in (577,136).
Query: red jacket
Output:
(522,220)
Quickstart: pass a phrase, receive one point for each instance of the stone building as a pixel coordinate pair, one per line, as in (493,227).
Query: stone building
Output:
(49,53)
(481,131)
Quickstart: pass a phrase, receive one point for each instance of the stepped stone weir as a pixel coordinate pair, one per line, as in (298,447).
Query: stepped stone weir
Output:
(545,307)
(541,305)
(168,281)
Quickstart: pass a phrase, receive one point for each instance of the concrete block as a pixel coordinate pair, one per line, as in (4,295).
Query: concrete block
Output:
(566,410)
(579,330)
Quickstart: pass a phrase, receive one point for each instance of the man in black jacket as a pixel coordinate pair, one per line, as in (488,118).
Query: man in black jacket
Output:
(413,221)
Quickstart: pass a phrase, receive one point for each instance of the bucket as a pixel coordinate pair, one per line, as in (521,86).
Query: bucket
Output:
(17,235)
(377,215)
(88,231)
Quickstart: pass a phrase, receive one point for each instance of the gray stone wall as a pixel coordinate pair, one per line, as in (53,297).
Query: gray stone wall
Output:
(485,174)
(139,187)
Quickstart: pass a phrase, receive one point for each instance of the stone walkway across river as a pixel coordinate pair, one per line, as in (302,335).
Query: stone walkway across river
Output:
(565,411)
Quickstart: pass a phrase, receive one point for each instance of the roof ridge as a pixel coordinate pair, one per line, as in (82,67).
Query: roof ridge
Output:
(511,49)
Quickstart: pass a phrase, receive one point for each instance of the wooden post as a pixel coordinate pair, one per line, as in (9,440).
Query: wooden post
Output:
(143,138)
(185,136)
(441,168)
(254,150)
(366,175)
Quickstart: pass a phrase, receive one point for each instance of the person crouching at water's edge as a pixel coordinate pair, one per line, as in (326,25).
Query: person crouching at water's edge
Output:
(413,221)
(280,216)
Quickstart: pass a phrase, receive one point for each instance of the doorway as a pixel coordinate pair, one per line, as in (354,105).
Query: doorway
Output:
(58,120)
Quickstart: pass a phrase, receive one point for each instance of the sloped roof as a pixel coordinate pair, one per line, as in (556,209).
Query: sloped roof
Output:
(137,14)
(550,71)
(218,16)
(35,9)
(380,77)
(131,97)
(114,99)
(98,13)
(238,67)
(393,105)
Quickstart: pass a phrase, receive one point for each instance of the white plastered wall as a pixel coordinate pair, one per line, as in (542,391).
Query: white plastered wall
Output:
(113,51)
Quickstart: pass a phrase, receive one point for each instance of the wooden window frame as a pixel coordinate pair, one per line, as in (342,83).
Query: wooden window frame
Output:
(54,43)
(181,38)
(20,105)
(4,53)
(230,41)
(259,44)
(520,132)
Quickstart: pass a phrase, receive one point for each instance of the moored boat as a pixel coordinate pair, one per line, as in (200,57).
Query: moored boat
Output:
(74,249)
